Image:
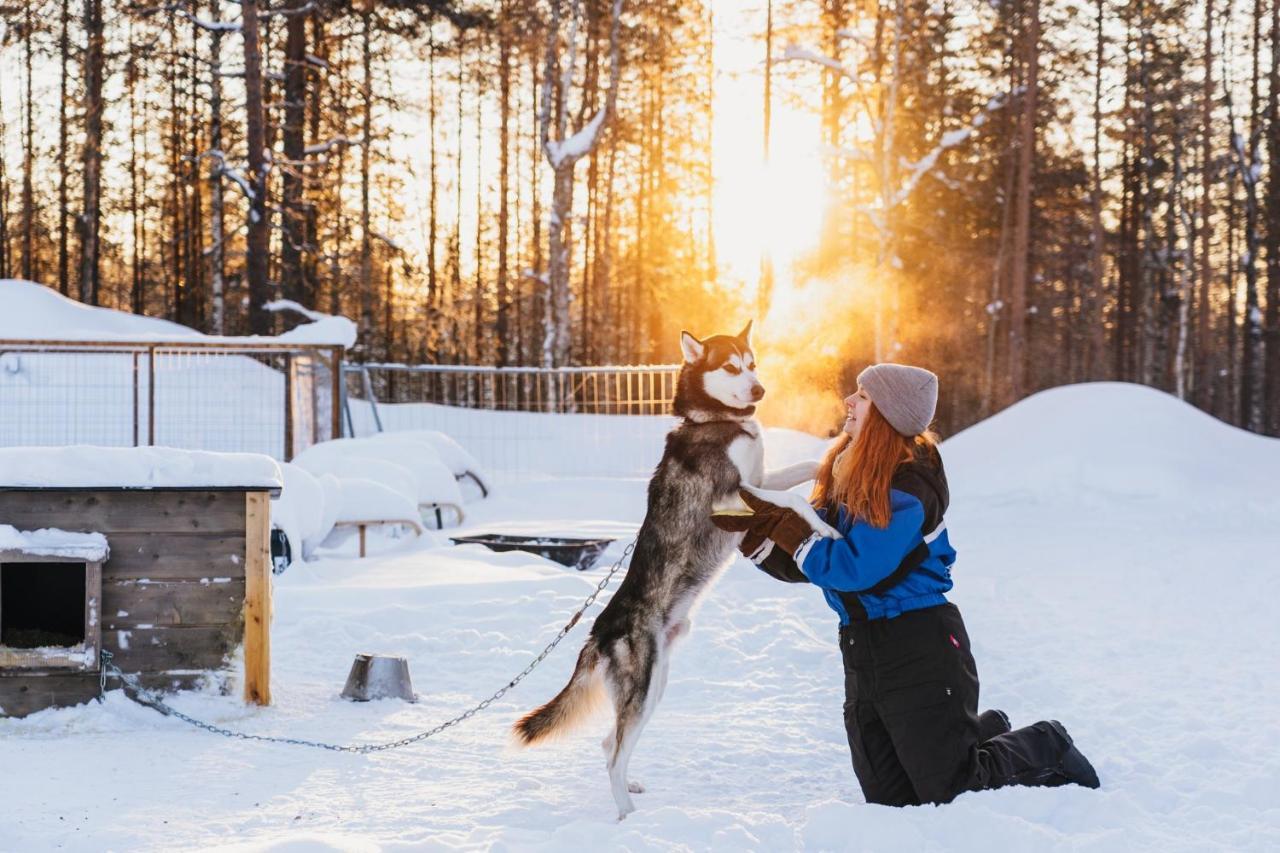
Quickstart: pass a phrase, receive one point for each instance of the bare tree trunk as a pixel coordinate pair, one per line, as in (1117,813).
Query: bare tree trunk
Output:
(432,239)
(502,329)
(764,287)
(217,229)
(563,154)
(292,216)
(89,222)
(137,303)
(1251,378)
(1097,254)
(366,240)
(1022,215)
(4,198)
(29,267)
(1272,319)
(1204,347)
(257,243)
(64,212)
(478,291)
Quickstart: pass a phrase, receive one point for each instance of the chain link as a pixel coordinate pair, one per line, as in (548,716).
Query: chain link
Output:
(152,700)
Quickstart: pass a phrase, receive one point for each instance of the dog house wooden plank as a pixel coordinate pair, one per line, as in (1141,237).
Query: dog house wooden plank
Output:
(26,694)
(175,556)
(128,604)
(172,647)
(257,599)
(125,511)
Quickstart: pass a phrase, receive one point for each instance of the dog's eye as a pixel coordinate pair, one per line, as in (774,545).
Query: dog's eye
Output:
(751,366)
(732,369)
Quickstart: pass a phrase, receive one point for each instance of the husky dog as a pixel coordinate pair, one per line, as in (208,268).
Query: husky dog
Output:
(712,452)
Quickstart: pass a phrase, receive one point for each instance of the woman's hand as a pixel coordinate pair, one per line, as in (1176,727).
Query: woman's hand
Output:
(784,526)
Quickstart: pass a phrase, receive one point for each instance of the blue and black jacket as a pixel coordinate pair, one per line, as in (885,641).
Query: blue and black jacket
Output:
(880,573)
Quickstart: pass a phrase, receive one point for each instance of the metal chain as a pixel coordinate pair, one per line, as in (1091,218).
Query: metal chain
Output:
(146,697)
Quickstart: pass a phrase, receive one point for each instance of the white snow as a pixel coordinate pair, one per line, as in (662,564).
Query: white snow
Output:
(577,145)
(86,466)
(299,510)
(30,311)
(52,542)
(1116,571)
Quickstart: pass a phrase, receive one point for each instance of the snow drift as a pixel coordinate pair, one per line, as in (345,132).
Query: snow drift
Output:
(1087,600)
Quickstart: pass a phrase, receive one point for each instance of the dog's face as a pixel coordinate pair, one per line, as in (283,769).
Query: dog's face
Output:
(726,366)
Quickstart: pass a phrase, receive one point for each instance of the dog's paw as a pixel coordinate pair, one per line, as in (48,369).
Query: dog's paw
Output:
(635,787)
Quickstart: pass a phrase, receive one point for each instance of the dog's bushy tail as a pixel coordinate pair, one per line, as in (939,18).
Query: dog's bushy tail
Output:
(569,707)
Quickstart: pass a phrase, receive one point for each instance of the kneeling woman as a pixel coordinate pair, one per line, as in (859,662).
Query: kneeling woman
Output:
(911,685)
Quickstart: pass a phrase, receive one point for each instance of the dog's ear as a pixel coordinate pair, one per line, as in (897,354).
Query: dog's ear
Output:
(693,348)
(745,334)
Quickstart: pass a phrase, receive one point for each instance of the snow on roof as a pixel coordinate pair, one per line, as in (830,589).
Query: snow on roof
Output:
(33,312)
(51,542)
(87,466)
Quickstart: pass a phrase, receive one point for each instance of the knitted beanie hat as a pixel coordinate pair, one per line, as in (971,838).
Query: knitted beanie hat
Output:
(906,396)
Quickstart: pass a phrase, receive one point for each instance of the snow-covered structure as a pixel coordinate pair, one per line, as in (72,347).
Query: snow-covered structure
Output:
(73,373)
(156,555)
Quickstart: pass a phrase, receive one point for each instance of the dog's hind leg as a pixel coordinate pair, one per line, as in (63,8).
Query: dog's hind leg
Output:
(634,698)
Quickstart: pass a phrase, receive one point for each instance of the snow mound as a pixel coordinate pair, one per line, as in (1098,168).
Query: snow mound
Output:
(1078,441)
(30,311)
(89,466)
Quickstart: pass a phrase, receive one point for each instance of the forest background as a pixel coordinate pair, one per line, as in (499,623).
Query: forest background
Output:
(1015,193)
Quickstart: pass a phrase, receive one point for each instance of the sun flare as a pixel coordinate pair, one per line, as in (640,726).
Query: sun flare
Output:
(765,210)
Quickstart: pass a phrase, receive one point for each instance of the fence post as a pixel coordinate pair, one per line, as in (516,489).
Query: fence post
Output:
(288,407)
(338,395)
(135,398)
(151,395)
(257,599)
(373,401)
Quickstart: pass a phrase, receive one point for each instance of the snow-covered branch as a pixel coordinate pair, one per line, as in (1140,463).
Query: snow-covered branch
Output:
(577,145)
(239,180)
(280,305)
(331,143)
(917,170)
(796,53)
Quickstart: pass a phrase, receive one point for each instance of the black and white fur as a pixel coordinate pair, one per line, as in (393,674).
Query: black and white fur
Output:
(715,449)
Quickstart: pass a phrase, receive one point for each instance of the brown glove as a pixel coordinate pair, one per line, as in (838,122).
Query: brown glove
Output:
(767,521)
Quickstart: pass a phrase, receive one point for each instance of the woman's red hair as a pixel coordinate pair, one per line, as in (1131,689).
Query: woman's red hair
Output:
(859,479)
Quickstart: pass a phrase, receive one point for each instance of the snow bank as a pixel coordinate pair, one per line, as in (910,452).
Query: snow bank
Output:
(1080,442)
(51,542)
(1147,635)
(30,311)
(86,466)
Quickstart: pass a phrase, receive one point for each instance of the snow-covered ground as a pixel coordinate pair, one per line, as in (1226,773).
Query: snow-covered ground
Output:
(1118,553)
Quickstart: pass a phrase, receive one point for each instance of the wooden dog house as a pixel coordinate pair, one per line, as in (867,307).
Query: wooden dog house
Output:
(163,553)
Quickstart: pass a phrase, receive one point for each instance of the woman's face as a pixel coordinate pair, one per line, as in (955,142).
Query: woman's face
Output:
(856,405)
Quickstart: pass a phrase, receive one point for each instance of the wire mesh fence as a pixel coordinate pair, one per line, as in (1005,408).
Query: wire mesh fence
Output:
(521,421)
(266,398)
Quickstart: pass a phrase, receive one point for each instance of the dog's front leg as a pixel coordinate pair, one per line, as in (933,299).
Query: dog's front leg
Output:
(797,503)
(781,479)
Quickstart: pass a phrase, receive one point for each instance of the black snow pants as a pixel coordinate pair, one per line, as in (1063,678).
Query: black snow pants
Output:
(911,713)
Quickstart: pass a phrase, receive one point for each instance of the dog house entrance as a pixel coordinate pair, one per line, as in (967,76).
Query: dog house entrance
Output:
(49,613)
(41,604)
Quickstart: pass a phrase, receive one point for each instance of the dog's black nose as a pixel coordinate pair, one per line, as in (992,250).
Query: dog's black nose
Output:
(757,392)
